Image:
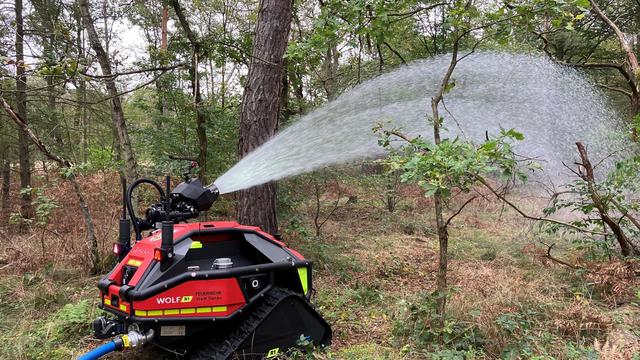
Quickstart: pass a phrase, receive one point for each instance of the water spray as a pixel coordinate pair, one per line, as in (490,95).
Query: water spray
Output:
(553,105)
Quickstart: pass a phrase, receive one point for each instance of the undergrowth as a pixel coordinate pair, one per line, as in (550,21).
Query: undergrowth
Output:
(374,273)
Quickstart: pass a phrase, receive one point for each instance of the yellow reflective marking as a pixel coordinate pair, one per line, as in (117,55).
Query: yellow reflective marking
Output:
(134,262)
(196,245)
(302,273)
(107,301)
(200,310)
(123,308)
(125,341)
(273,353)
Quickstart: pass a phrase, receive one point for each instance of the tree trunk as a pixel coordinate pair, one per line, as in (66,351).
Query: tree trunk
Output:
(201,120)
(26,208)
(626,246)
(6,188)
(443,233)
(92,242)
(81,94)
(117,114)
(330,69)
(443,242)
(261,106)
(633,70)
(163,27)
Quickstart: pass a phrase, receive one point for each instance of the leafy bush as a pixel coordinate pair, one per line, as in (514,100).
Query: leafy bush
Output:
(44,206)
(417,324)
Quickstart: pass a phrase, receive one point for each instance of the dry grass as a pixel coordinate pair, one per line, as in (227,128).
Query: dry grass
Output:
(619,345)
(616,281)
(64,237)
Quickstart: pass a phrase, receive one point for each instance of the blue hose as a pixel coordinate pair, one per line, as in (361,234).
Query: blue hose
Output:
(100,351)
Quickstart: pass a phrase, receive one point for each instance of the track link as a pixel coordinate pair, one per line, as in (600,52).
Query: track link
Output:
(224,347)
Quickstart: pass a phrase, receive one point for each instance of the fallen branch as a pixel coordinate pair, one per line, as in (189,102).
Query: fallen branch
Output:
(556,260)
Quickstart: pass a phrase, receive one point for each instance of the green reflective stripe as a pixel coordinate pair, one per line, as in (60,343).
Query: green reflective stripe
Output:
(196,245)
(302,273)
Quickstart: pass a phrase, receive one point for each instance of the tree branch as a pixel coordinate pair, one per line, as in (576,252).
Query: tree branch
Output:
(460,210)
(626,47)
(34,138)
(182,157)
(627,76)
(616,89)
(484,182)
(400,135)
(132,72)
(556,260)
(395,52)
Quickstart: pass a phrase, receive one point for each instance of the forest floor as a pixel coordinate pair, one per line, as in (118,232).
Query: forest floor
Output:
(374,272)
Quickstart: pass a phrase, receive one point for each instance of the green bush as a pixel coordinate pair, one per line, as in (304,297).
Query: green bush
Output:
(417,324)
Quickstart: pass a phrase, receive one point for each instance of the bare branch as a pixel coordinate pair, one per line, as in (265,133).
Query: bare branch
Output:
(395,52)
(460,210)
(530,217)
(182,157)
(138,71)
(556,260)
(34,138)
(400,135)
(616,89)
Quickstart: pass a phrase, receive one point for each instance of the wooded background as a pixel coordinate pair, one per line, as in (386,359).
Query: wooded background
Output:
(92,91)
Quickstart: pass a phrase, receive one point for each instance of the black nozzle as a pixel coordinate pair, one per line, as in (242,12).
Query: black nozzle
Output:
(215,192)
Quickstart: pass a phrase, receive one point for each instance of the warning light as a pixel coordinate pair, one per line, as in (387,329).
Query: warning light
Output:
(158,254)
(116,249)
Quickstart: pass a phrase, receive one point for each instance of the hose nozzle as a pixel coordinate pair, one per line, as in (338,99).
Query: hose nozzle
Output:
(214,190)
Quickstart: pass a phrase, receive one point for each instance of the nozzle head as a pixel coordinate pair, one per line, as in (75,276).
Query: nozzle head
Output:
(199,196)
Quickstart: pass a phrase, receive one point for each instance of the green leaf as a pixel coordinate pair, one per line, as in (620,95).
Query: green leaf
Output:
(450,85)
(583,3)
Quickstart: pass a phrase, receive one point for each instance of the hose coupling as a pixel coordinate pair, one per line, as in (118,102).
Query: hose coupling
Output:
(133,339)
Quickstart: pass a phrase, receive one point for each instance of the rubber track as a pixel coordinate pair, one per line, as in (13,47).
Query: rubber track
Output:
(223,348)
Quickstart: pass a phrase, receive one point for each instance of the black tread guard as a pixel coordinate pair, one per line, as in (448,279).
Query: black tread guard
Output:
(224,348)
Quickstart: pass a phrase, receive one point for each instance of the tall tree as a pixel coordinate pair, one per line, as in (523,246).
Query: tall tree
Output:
(201,120)
(117,113)
(261,105)
(21,109)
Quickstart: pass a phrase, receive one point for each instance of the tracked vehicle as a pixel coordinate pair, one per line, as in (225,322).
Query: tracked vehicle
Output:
(204,290)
